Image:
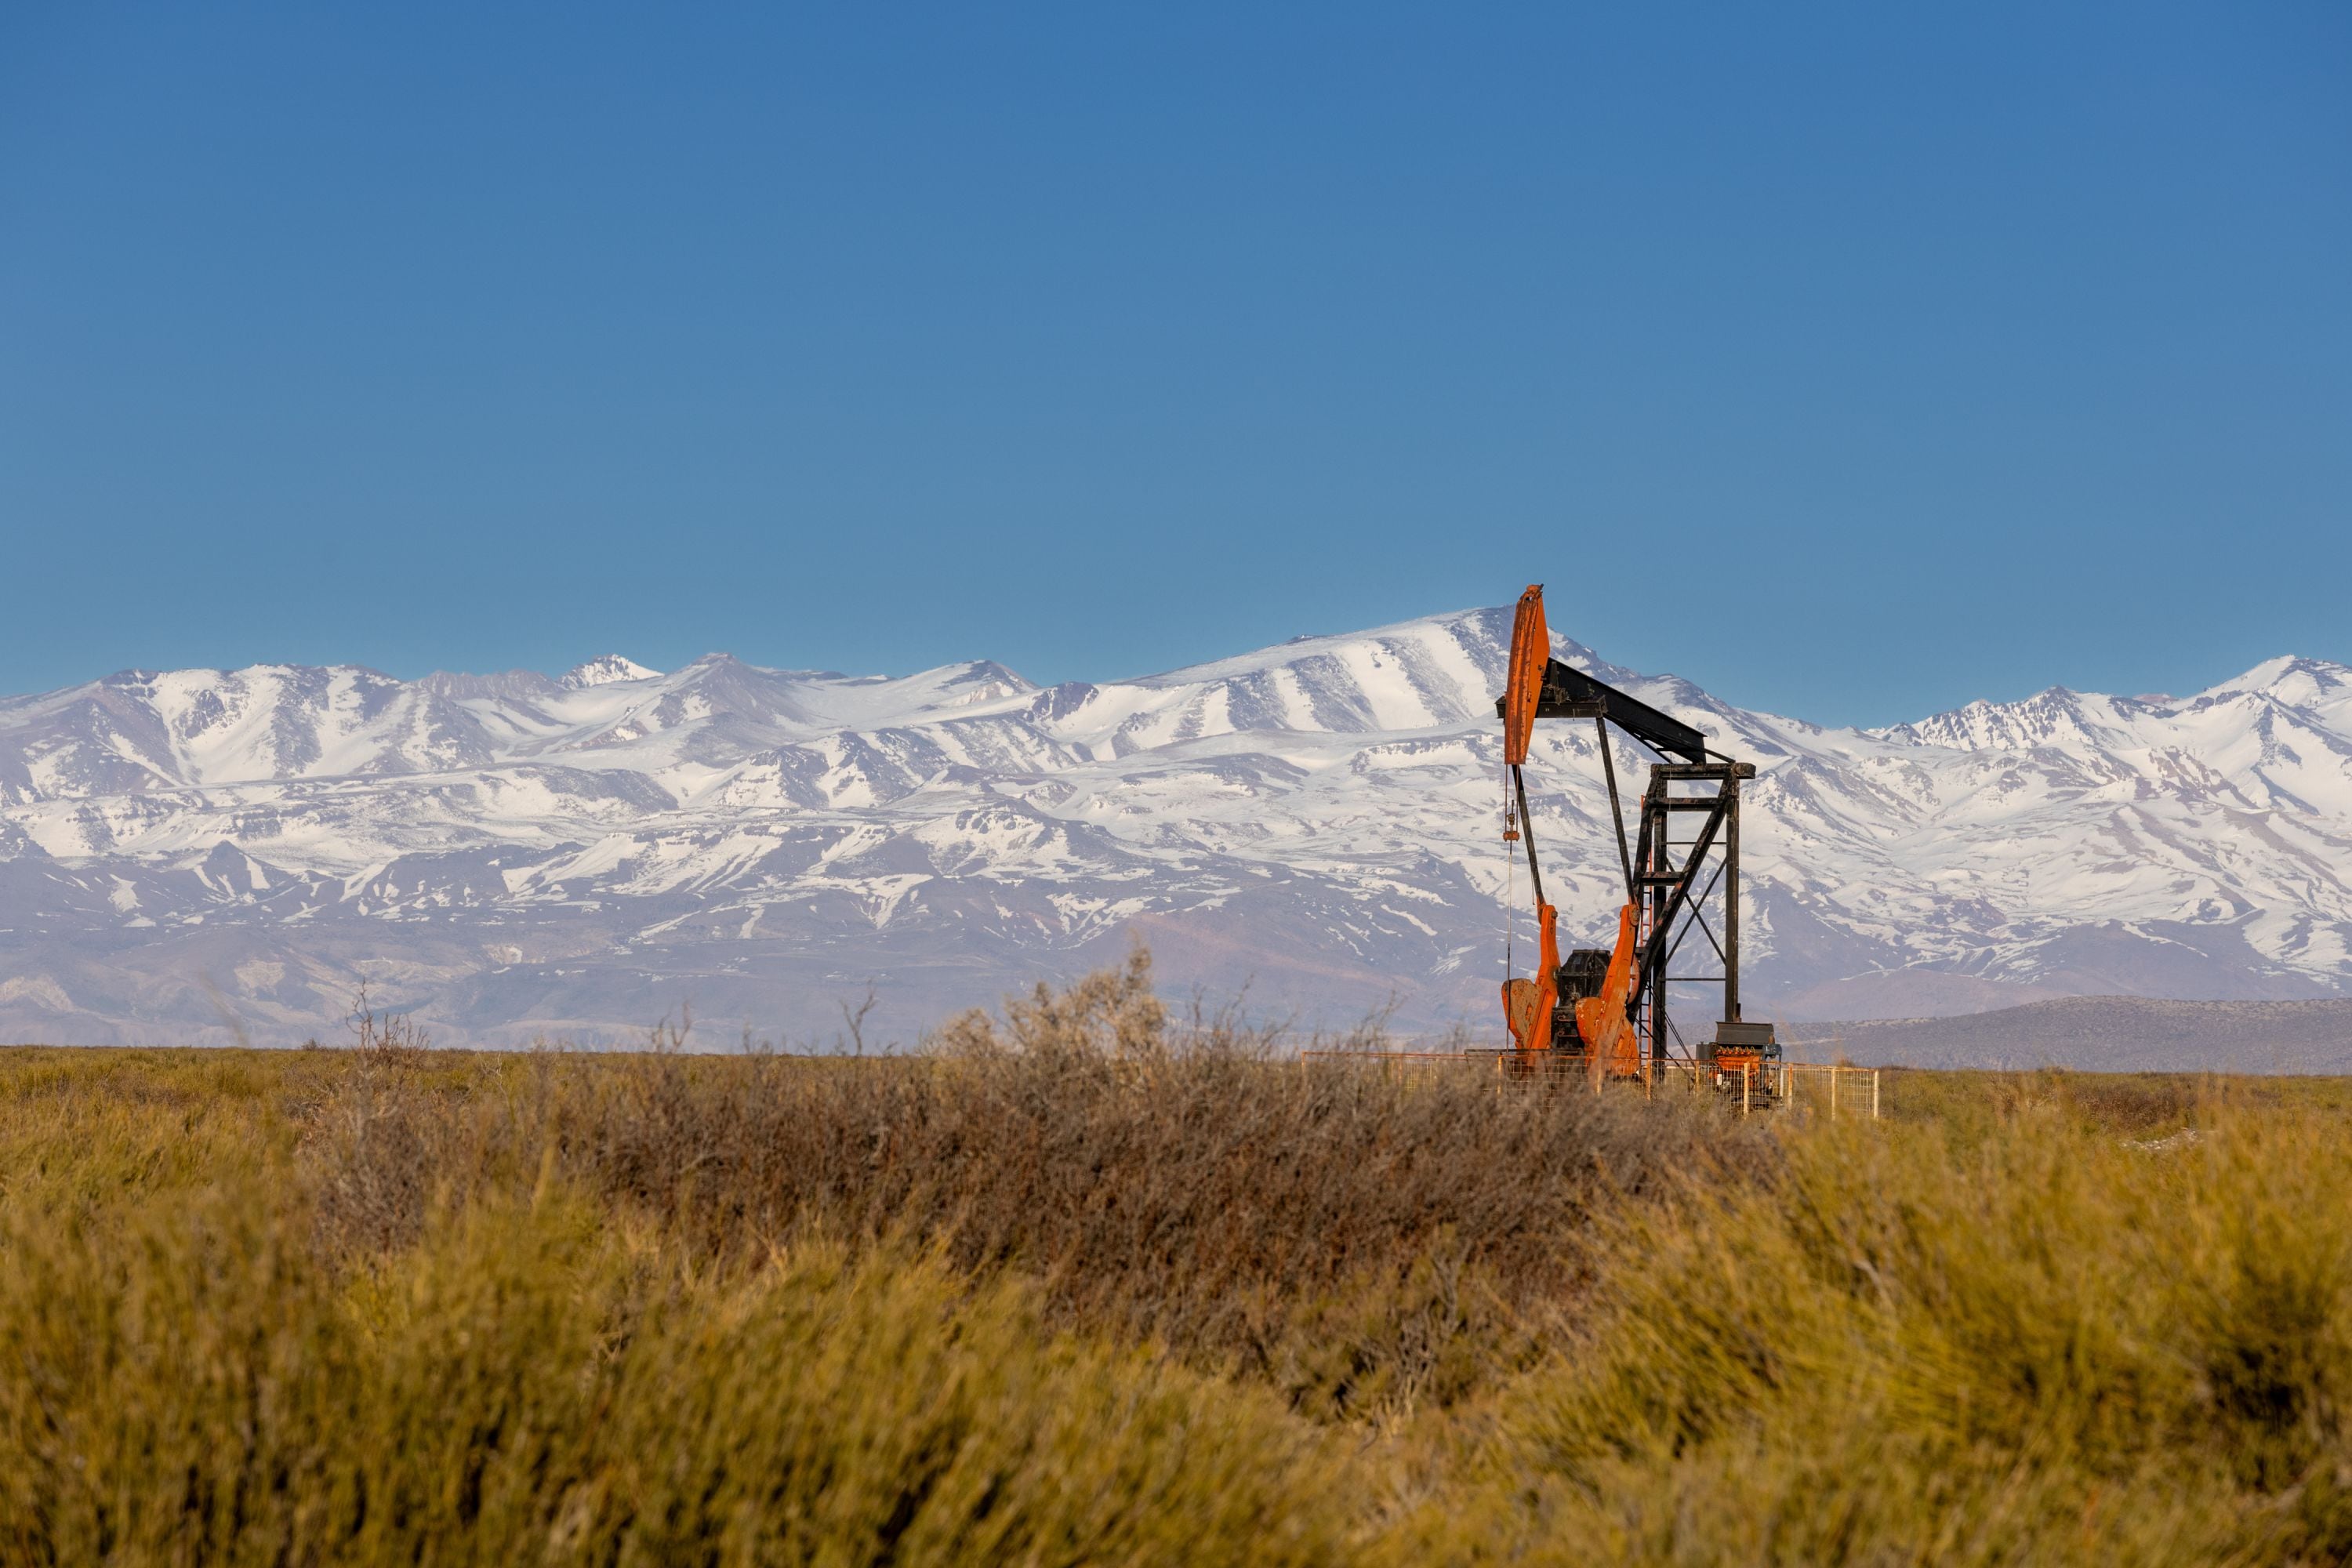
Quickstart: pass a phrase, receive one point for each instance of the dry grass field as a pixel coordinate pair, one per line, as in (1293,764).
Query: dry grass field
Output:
(1086,1283)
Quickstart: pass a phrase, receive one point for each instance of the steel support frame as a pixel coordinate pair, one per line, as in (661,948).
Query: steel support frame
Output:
(1674,883)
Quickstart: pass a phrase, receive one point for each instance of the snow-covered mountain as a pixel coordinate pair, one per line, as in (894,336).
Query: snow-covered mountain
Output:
(201,854)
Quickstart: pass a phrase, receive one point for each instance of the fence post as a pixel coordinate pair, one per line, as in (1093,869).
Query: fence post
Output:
(1874,1094)
(1834,1077)
(1747,1083)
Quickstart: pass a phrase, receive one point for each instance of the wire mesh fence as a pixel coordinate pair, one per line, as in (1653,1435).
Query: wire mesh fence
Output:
(1832,1091)
(1807,1089)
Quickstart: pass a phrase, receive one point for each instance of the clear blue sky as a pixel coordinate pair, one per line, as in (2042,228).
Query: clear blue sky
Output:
(1854,360)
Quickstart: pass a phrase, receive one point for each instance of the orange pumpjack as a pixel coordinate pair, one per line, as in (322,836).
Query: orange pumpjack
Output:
(1611,1009)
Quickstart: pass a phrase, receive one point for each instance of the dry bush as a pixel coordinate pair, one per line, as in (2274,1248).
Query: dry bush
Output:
(527,1382)
(2056,1344)
(389,1133)
(1364,1244)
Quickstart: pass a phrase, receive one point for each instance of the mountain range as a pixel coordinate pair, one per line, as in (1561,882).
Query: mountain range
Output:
(208,855)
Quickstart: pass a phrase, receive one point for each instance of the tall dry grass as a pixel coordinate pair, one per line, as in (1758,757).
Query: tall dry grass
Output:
(1087,1283)
(2051,1343)
(530,1382)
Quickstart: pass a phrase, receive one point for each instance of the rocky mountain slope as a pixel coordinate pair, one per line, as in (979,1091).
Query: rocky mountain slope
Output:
(214,854)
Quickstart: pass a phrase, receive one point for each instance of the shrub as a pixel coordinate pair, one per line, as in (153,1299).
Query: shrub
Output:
(2045,1344)
(1361,1242)
(528,1383)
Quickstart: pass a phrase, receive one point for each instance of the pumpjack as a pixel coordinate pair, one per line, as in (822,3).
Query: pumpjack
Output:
(1607,1009)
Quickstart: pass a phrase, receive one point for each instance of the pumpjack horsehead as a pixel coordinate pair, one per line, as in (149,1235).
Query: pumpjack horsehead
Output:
(1608,1009)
